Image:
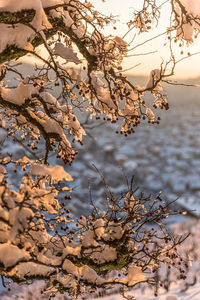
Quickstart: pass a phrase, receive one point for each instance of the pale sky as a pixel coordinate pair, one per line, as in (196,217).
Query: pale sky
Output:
(123,8)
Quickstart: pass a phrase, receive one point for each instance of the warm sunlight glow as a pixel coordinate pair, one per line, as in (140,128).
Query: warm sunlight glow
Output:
(158,50)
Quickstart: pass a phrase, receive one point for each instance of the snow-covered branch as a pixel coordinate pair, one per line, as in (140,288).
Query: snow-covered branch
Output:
(76,256)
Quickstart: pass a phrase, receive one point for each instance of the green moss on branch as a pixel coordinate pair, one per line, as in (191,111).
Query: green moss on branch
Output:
(23,16)
(10,53)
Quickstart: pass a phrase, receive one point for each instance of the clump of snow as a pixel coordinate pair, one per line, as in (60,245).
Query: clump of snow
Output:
(84,273)
(154,77)
(79,31)
(135,275)
(67,280)
(50,125)
(51,101)
(106,254)
(90,275)
(74,75)
(49,260)
(48,3)
(32,269)
(108,230)
(4,214)
(88,239)
(70,268)
(68,250)
(103,93)
(67,19)
(10,255)
(57,173)
(13,36)
(18,96)
(99,227)
(129,110)
(67,53)
(73,124)
(19,219)
(40,20)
